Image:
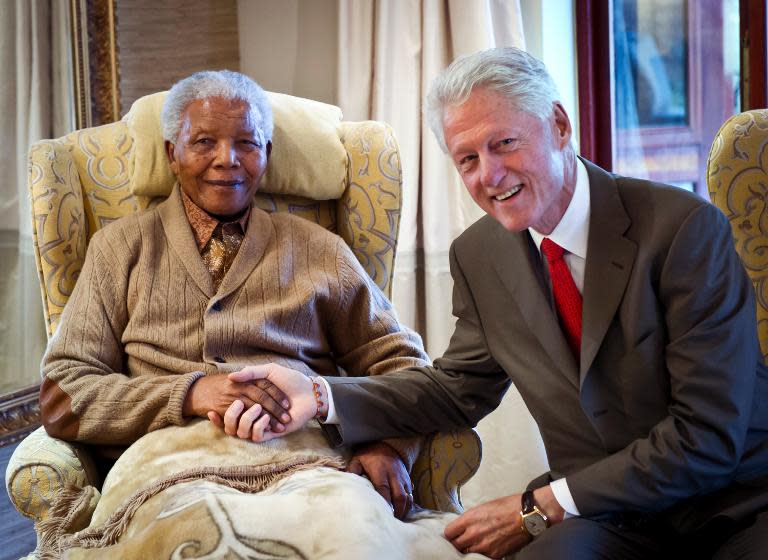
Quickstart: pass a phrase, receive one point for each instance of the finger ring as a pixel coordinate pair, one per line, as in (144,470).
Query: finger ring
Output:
(409,495)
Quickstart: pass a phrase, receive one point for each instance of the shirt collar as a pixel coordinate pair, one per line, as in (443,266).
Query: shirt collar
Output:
(203,224)
(572,232)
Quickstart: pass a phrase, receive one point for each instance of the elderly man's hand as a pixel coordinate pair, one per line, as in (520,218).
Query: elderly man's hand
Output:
(244,422)
(381,464)
(212,395)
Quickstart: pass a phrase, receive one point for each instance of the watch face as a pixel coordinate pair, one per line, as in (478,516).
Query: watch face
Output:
(534,524)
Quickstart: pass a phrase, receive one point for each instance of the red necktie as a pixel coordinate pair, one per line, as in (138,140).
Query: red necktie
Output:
(567,296)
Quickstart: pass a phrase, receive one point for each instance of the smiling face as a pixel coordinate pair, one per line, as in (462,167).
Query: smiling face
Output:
(518,168)
(219,156)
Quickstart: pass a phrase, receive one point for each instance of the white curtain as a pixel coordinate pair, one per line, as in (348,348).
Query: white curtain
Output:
(389,53)
(35,103)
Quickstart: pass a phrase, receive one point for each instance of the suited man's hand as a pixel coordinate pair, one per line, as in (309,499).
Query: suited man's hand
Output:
(246,422)
(493,528)
(386,471)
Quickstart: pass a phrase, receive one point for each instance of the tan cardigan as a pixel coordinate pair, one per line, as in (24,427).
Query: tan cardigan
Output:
(143,322)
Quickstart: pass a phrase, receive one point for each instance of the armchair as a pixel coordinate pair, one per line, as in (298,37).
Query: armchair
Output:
(737,177)
(350,183)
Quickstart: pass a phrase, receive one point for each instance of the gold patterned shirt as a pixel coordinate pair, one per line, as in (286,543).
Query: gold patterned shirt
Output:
(218,242)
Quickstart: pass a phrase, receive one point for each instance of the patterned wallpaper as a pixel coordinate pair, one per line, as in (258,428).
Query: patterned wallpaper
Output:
(162,42)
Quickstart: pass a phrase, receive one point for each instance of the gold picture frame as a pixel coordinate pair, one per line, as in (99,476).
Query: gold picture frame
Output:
(19,414)
(96,73)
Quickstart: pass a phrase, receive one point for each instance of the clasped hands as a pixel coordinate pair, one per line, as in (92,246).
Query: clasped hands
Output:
(257,403)
(268,401)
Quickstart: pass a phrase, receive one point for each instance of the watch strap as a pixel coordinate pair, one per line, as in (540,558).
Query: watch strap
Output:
(527,502)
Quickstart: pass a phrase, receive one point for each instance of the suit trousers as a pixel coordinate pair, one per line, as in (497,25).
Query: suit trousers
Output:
(615,539)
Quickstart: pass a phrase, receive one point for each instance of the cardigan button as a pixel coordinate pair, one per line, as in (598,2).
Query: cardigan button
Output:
(216,306)
(220,360)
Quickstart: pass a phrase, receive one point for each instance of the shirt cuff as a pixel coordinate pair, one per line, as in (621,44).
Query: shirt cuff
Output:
(563,496)
(331,418)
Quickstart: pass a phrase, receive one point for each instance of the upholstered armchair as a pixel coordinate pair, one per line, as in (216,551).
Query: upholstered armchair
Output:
(345,176)
(737,177)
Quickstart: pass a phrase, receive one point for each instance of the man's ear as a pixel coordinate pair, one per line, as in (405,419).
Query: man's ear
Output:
(562,124)
(169,151)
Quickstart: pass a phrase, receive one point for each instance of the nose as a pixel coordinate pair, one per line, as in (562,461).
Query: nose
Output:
(226,155)
(491,171)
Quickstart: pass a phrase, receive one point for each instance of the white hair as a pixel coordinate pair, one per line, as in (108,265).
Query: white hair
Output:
(225,84)
(515,74)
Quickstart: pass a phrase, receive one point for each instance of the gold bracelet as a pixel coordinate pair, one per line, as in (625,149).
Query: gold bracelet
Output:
(318,397)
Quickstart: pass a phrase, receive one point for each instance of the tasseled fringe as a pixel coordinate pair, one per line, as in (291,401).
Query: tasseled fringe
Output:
(53,539)
(67,514)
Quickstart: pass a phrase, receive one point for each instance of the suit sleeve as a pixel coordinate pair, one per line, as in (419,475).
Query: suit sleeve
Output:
(455,392)
(712,359)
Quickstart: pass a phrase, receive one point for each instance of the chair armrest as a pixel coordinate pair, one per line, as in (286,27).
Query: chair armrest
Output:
(40,467)
(447,462)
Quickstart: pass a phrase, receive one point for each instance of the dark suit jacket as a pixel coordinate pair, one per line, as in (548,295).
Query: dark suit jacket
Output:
(669,403)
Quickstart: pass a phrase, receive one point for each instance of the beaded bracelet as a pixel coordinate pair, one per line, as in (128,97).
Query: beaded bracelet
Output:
(318,397)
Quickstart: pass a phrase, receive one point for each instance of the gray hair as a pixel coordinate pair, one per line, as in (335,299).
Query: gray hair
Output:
(521,78)
(216,83)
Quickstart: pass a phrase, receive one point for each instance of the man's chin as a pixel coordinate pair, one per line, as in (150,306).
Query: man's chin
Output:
(512,224)
(226,212)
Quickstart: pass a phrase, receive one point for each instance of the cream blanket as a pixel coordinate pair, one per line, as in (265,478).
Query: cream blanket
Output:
(193,492)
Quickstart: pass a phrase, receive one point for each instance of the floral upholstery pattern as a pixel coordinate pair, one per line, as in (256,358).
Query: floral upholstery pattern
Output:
(80,182)
(448,462)
(737,178)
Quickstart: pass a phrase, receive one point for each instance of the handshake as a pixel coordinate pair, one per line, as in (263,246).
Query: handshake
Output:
(259,403)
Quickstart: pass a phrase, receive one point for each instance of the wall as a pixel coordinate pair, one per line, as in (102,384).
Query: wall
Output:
(162,42)
(290,46)
(550,36)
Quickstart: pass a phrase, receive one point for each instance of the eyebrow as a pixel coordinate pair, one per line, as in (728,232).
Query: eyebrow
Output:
(194,131)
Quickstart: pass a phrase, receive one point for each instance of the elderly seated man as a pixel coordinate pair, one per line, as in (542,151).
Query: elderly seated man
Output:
(172,300)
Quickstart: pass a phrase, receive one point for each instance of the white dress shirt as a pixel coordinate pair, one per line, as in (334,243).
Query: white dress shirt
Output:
(571,234)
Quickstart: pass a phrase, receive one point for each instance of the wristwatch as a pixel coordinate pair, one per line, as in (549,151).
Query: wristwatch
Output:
(534,520)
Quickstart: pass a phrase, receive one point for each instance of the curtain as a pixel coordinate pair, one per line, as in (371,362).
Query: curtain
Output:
(35,103)
(389,53)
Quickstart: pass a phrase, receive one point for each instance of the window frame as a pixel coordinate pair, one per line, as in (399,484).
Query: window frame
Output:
(594,54)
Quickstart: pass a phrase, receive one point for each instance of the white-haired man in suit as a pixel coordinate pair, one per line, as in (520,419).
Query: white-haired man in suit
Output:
(623,315)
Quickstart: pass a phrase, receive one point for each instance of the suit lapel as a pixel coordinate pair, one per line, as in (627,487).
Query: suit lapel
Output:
(519,268)
(610,257)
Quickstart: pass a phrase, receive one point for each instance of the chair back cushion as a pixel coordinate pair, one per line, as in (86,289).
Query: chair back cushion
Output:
(737,178)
